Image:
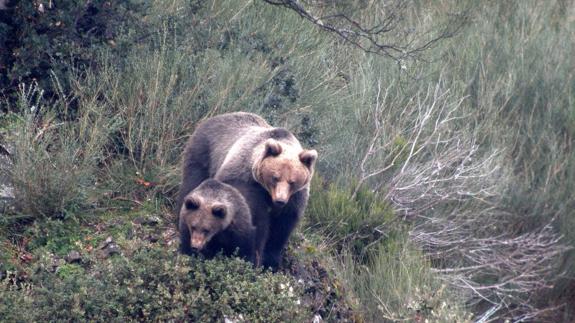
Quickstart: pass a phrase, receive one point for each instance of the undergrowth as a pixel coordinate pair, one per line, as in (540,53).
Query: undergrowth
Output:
(152,285)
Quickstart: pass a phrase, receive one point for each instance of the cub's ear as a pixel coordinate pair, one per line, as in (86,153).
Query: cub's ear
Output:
(272,148)
(308,158)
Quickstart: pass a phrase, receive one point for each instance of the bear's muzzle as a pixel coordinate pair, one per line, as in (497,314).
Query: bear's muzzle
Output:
(198,241)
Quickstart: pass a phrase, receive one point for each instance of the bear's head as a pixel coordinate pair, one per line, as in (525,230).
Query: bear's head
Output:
(205,215)
(284,169)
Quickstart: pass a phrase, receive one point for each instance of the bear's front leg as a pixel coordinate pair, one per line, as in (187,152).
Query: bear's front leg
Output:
(262,225)
(283,222)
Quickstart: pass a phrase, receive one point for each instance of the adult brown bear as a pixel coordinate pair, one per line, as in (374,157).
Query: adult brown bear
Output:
(266,164)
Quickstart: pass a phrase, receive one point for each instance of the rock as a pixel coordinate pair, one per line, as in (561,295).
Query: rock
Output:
(111,249)
(105,243)
(151,220)
(73,257)
(7,195)
(108,248)
(55,263)
(153,238)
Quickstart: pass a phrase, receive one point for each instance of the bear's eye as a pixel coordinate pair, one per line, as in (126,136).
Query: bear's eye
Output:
(275,178)
(219,212)
(192,205)
(205,231)
(291,183)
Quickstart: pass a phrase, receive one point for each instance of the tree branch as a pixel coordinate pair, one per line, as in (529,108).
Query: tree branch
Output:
(387,36)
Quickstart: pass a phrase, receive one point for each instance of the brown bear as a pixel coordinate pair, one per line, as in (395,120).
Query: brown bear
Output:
(215,217)
(266,164)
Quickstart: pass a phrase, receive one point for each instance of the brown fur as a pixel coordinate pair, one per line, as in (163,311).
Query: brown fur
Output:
(215,217)
(282,175)
(266,165)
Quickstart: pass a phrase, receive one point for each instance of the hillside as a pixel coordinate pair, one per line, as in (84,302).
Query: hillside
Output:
(443,190)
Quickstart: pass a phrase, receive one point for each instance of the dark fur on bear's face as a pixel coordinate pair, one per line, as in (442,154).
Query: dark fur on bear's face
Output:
(215,217)
(283,172)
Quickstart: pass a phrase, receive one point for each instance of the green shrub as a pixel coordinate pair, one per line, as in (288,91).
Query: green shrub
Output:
(347,221)
(39,38)
(155,285)
(55,160)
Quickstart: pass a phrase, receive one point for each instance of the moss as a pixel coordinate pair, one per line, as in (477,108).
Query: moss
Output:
(56,236)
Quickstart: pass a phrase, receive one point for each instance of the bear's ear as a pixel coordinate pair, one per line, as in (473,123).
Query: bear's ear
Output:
(272,148)
(308,158)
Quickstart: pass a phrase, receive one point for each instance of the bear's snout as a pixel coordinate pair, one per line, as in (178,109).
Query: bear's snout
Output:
(198,241)
(280,194)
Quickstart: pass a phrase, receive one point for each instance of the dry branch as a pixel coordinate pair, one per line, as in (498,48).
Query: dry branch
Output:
(386,35)
(450,188)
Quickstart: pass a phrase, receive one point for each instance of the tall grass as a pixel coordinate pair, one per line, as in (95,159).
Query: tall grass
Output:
(55,160)
(398,285)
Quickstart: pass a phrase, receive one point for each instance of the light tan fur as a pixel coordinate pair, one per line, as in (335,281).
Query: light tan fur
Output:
(284,174)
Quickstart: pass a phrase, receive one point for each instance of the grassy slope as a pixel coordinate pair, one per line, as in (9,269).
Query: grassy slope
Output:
(508,78)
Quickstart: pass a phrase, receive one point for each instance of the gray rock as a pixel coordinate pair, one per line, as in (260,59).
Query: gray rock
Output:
(56,263)
(105,243)
(108,248)
(73,257)
(151,220)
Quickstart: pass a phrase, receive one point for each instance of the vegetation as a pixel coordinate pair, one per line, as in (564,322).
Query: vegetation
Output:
(152,284)
(443,190)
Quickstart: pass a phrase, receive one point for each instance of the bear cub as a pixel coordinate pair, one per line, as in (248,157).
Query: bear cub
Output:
(215,217)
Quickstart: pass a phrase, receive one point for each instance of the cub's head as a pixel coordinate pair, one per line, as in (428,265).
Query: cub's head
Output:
(284,169)
(205,212)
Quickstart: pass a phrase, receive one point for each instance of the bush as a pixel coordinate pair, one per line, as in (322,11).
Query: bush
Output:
(155,285)
(55,160)
(348,222)
(39,38)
